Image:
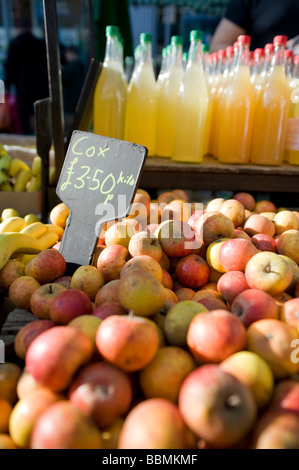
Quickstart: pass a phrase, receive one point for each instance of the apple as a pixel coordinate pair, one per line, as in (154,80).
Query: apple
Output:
(290,312)
(215,335)
(195,215)
(276,430)
(111,260)
(178,319)
(88,279)
(167,280)
(98,250)
(264,206)
(26,413)
(5,413)
(215,204)
(145,243)
(271,339)
(31,218)
(140,207)
(9,212)
(55,355)
(204,293)
(264,242)
(269,272)
(107,309)
(176,210)
(21,290)
(87,324)
(212,303)
(119,233)
(28,333)
(285,220)
(63,426)
(165,197)
(46,266)
(177,238)
(280,299)
(128,342)
(252,371)
(154,423)
(258,223)
(295,269)
(192,271)
(144,192)
(212,255)
(26,384)
(9,376)
(234,210)
(59,215)
(164,262)
(216,406)
(141,292)
(154,216)
(11,271)
(252,305)
(269,215)
(108,293)
(286,396)
(239,233)
(231,284)
(65,281)
(214,225)
(164,375)
(234,254)
(246,199)
(185,293)
(144,263)
(288,244)
(181,194)
(6,442)
(152,228)
(68,305)
(102,392)
(214,275)
(42,298)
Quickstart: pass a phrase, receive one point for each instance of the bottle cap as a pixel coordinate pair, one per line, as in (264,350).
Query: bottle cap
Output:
(269,48)
(251,55)
(288,54)
(296,59)
(229,50)
(146,37)
(112,30)
(185,55)
(258,52)
(205,48)
(221,53)
(164,52)
(177,40)
(196,35)
(244,40)
(121,39)
(280,40)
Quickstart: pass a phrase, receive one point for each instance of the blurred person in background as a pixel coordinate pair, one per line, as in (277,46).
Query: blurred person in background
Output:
(261,19)
(26,71)
(72,75)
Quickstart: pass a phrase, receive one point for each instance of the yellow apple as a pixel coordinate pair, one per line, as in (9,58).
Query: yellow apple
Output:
(212,255)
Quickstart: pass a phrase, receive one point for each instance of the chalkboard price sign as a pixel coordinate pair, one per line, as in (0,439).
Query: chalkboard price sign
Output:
(98,182)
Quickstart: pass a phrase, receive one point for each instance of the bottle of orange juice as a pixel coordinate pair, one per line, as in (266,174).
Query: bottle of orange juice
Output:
(141,111)
(110,92)
(292,136)
(167,95)
(262,78)
(288,57)
(238,110)
(272,108)
(191,108)
(163,69)
(258,63)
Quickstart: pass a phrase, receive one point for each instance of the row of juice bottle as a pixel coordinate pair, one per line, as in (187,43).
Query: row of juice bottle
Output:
(234,106)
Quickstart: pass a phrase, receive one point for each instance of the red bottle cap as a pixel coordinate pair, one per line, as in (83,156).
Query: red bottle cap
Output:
(288,54)
(229,50)
(259,52)
(280,40)
(244,40)
(251,55)
(296,59)
(221,54)
(269,48)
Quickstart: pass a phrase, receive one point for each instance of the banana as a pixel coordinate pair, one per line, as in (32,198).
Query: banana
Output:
(16,165)
(21,180)
(6,187)
(48,240)
(56,229)
(52,175)
(13,243)
(35,183)
(3,177)
(36,167)
(35,230)
(12,224)
(5,159)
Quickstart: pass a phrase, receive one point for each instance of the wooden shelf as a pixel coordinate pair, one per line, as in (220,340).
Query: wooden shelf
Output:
(212,175)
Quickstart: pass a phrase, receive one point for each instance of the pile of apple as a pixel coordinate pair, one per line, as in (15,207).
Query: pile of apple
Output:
(182,334)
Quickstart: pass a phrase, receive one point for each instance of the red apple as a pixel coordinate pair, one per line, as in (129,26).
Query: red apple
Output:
(47,266)
(42,298)
(254,304)
(246,199)
(128,342)
(167,280)
(102,392)
(11,271)
(143,262)
(111,260)
(286,396)
(107,309)
(145,243)
(21,290)
(212,303)
(69,304)
(264,242)
(192,271)
(214,225)
(177,238)
(276,430)
(216,406)
(192,221)
(88,279)
(264,206)
(290,313)
(215,335)
(65,281)
(108,293)
(239,233)
(55,355)
(234,254)
(288,244)
(28,333)
(185,293)
(231,284)
(258,223)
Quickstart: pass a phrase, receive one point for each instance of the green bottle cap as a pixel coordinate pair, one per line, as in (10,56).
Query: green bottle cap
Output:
(112,31)
(146,37)
(196,35)
(177,40)
(121,39)
(205,48)
(164,52)
(185,55)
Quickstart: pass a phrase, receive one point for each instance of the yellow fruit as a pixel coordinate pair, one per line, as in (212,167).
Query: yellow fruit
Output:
(35,183)
(212,255)
(52,175)
(48,239)
(59,214)
(17,165)
(31,218)
(14,243)
(35,230)
(9,212)
(21,180)
(56,229)
(36,167)
(13,224)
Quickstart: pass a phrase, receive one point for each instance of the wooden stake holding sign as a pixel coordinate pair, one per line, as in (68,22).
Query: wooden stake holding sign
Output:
(97,183)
